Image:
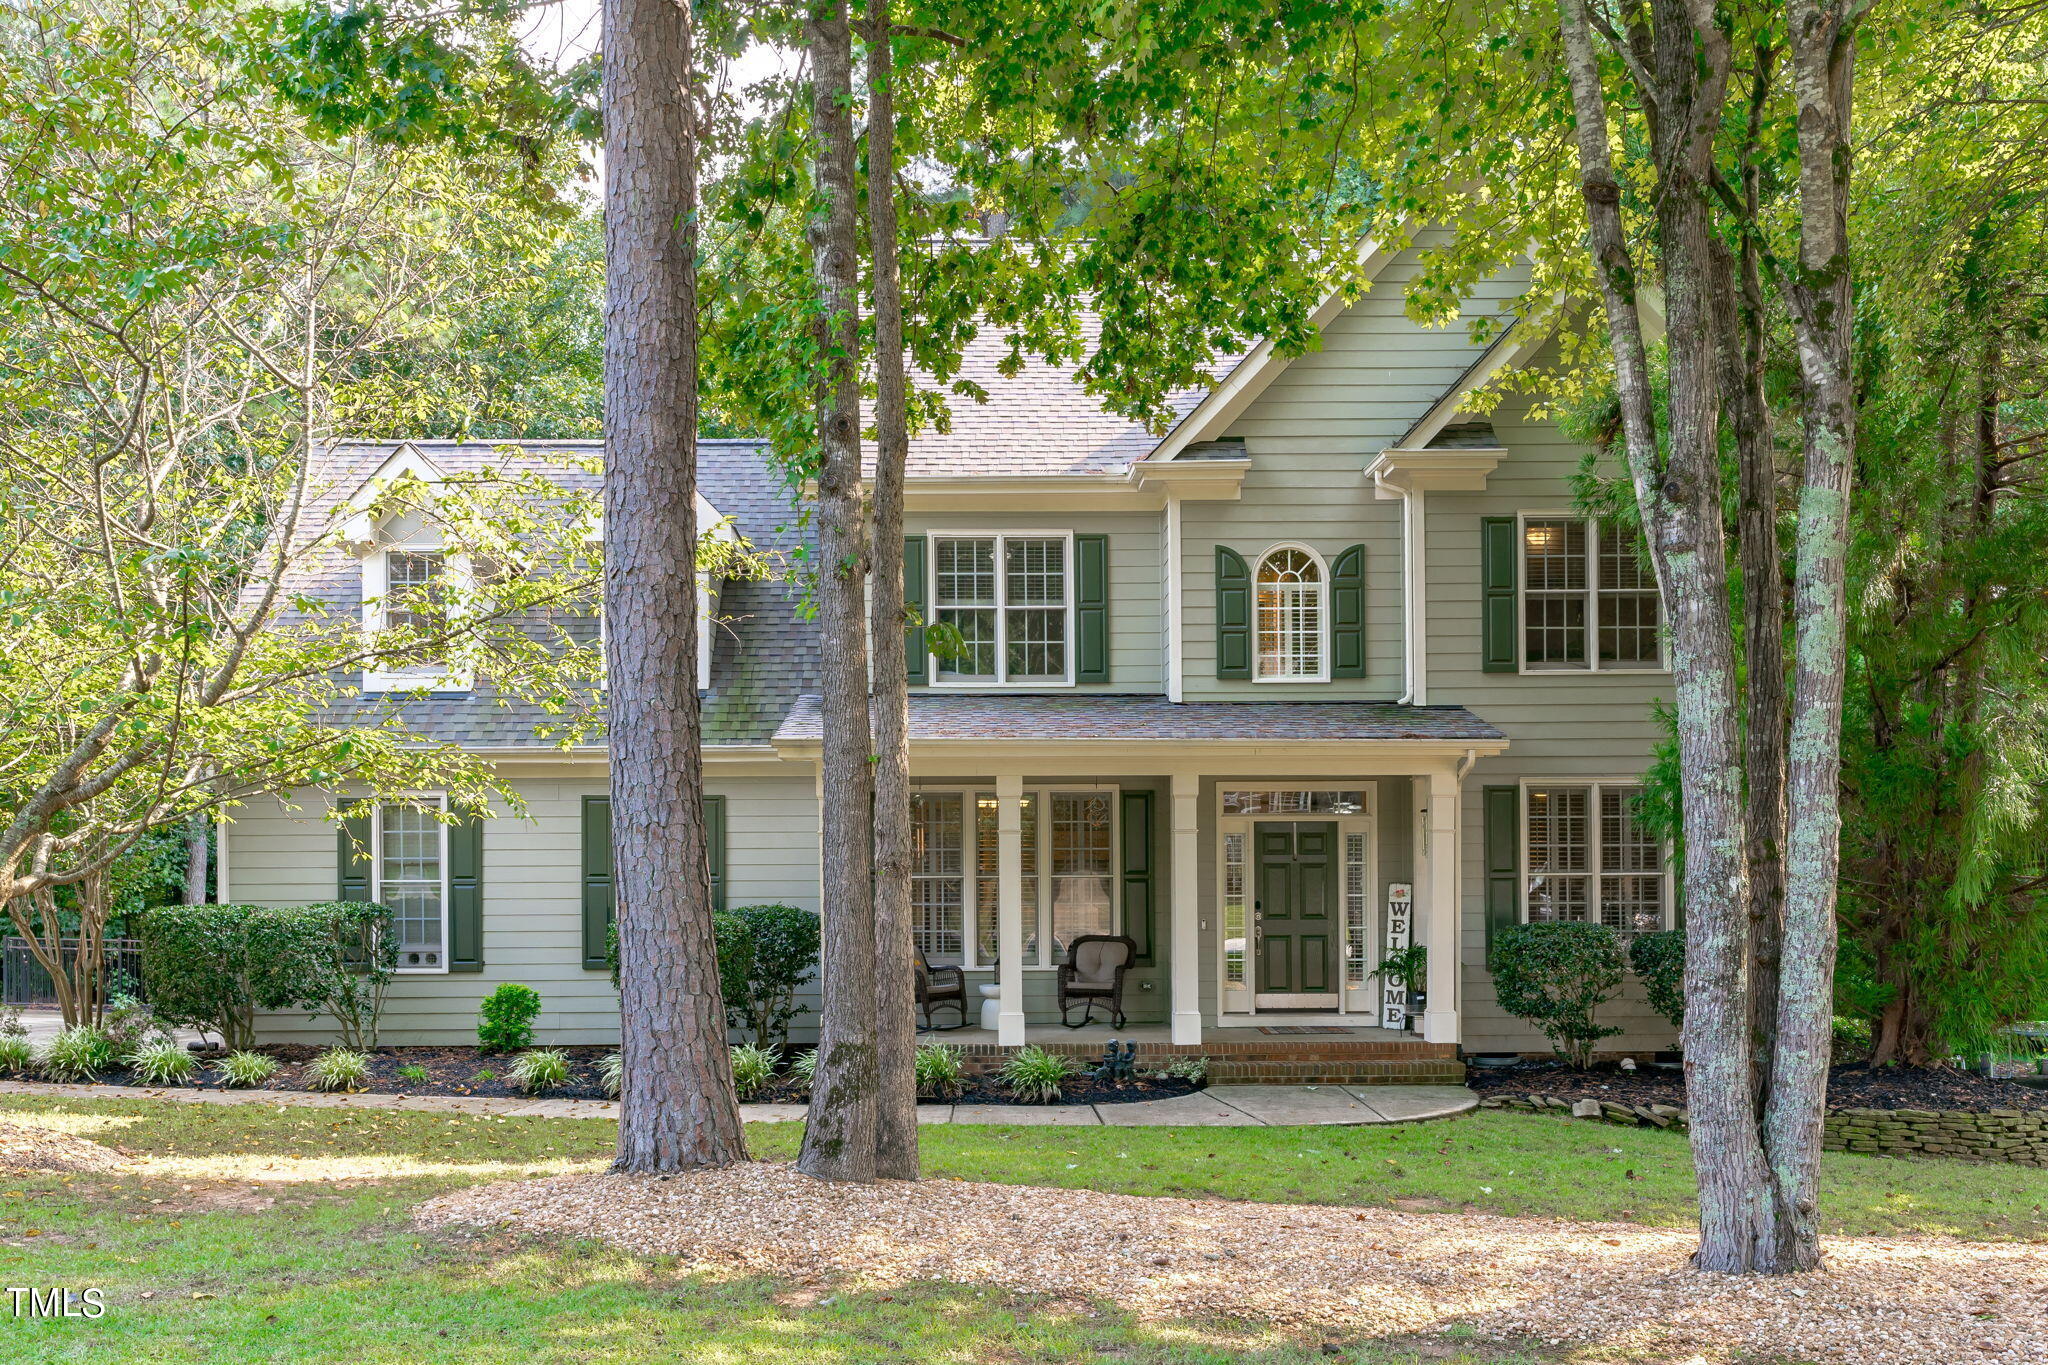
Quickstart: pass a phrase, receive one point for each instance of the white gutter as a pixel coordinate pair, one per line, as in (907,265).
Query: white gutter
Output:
(1173,597)
(1414,589)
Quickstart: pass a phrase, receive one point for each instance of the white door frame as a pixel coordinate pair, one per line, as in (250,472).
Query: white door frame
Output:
(1239,1006)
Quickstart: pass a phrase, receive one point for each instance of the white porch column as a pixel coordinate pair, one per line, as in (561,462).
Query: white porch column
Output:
(1185,950)
(1440,1018)
(1010,910)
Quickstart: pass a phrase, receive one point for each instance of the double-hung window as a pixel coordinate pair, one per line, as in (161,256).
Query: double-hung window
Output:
(1588,599)
(408,589)
(1005,605)
(1069,873)
(1587,857)
(410,861)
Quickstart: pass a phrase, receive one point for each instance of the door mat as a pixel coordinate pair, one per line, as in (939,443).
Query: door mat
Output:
(1298,1029)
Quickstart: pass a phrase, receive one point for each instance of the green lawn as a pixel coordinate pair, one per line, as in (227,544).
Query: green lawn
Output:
(266,1234)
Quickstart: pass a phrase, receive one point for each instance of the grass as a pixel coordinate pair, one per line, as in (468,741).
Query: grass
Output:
(265,1233)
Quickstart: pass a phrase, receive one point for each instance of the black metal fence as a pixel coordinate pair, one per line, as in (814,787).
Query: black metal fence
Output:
(25,983)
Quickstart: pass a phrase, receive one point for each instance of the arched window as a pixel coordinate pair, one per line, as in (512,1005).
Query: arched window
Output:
(1291,616)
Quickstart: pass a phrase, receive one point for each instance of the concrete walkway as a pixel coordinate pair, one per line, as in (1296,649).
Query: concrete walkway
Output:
(1220,1106)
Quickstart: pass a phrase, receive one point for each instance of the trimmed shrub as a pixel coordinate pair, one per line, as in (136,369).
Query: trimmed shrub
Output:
(611,1073)
(79,1053)
(1659,959)
(540,1071)
(752,1069)
(361,962)
(339,1068)
(17,1056)
(245,1070)
(505,1020)
(163,1061)
(1035,1075)
(940,1070)
(1557,976)
(765,954)
(214,966)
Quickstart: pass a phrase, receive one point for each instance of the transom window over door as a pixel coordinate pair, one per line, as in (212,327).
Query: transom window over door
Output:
(1588,599)
(1010,598)
(1589,859)
(1290,616)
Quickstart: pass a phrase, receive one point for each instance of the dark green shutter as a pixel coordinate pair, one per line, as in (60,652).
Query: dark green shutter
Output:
(714,847)
(599,897)
(1233,616)
(352,842)
(1497,652)
(1503,810)
(466,893)
(917,658)
(1091,608)
(1347,614)
(1136,818)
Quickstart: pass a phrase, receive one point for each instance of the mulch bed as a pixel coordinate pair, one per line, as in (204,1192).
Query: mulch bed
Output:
(1849,1087)
(466,1071)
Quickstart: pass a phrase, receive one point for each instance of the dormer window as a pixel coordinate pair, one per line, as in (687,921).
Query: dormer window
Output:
(1010,598)
(1292,621)
(412,588)
(408,587)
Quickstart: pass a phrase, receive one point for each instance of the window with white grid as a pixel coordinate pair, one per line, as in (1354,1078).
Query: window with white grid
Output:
(1068,887)
(1010,599)
(1083,868)
(938,884)
(1589,601)
(411,863)
(412,588)
(1589,858)
(1290,616)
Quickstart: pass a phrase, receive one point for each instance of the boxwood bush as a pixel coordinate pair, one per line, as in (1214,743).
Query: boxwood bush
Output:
(214,966)
(1659,959)
(505,1019)
(1557,976)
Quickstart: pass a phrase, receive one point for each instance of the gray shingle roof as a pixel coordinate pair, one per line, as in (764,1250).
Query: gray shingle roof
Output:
(1108,717)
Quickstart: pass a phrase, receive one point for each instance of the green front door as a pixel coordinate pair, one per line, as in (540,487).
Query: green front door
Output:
(1295,906)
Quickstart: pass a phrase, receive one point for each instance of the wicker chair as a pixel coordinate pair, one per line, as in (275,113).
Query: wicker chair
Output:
(1093,974)
(938,986)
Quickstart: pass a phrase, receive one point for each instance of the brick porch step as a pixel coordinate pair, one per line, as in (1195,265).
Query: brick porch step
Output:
(1410,1071)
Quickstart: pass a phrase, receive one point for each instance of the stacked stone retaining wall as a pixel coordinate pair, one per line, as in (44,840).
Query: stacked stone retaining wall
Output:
(2015,1135)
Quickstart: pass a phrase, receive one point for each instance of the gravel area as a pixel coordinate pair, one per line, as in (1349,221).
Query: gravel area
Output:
(1365,1272)
(40,1149)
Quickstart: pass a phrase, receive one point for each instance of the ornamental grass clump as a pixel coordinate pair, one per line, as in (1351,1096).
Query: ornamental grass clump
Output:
(163,1061)
(17,1056)
(804,1070)
(79,1053)
(940,1071)
(611,1073)
(540,1070)
(339,1068)
(245,1070)
(752,1069)
(1035,1075)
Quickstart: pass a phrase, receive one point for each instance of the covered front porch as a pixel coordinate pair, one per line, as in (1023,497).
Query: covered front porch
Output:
(1260,860)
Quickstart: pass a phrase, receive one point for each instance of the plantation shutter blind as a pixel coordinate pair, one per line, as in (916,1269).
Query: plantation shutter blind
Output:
(1502,842)
(1233,616)
(917,659)
(600,894)
(1139,887)
(1347,614)
(466,893)
(1497,651)
(1091,608)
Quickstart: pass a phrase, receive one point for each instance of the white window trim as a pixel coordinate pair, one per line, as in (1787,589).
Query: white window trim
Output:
(1002,608)
(376,572)
(1593,873)
(426,798)
(1593,664)
(1322,673)
(1038,919)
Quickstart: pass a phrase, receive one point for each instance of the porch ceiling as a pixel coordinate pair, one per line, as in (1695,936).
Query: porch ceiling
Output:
(1006,717)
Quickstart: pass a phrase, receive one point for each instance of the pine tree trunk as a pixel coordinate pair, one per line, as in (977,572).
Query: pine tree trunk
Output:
(1822,309)
(677,1109)
(895,970)
(839,1137)
(1679,497)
